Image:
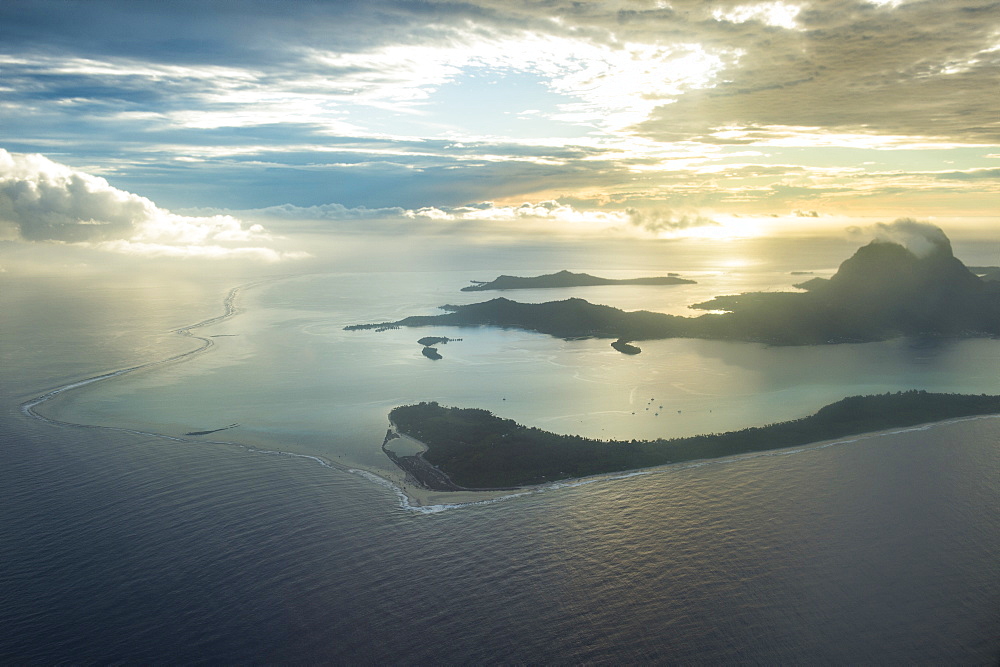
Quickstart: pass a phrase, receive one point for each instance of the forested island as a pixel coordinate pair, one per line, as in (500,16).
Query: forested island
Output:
(474,449)
(625,347)
(569,279)
(881,292)
(429,341)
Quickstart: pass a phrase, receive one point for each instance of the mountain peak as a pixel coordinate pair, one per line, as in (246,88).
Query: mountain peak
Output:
(884,282)
(882,265)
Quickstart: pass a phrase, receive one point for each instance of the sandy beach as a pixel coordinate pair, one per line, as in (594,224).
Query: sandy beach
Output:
(416,496)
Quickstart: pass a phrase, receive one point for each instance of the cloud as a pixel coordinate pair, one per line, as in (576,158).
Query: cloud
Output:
(46,201)
(776,14)
(971,175)
(920,238)
(551,213)
(42,200)
(546,217)
(387,103)
(678,71)
(321,212)
(662,220)
(554,217)
(543,210)
(855,69)
(335,88)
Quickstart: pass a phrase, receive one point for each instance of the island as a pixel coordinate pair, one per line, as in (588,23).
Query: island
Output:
(429,341)
(473,449)
(625,347)
(569,279)
(883,291)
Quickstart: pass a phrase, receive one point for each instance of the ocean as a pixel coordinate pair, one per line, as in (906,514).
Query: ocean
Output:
(119,545)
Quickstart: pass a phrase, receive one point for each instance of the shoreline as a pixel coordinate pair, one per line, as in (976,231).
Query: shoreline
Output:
(423,499)
(411,496)
(424,472)
(478,449)
(230,310)
(416,498)
(572,482)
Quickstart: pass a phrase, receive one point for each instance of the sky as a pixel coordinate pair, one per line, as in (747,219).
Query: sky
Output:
(212,128)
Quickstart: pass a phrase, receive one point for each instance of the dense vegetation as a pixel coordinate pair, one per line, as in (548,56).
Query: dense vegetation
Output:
(428,341)
(477,449)
(624,347)
(881,292)
(569,279)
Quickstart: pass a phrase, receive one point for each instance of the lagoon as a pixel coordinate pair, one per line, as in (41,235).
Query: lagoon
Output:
(284,369)
(880,549)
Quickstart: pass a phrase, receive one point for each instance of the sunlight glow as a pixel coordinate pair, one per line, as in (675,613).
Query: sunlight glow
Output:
(615,86)
(777,14)
(727,230)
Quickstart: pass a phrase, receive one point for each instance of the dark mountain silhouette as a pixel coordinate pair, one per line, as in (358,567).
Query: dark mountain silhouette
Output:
(883,291)
(568,279)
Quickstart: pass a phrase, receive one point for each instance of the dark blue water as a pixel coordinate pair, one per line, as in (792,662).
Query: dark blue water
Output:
(122,548)
(118,549)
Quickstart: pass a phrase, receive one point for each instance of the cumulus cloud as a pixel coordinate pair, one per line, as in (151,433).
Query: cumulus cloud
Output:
(920,238)
(46,201)
(42,200)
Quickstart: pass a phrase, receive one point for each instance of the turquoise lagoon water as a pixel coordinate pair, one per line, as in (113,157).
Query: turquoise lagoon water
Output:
(284,369)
